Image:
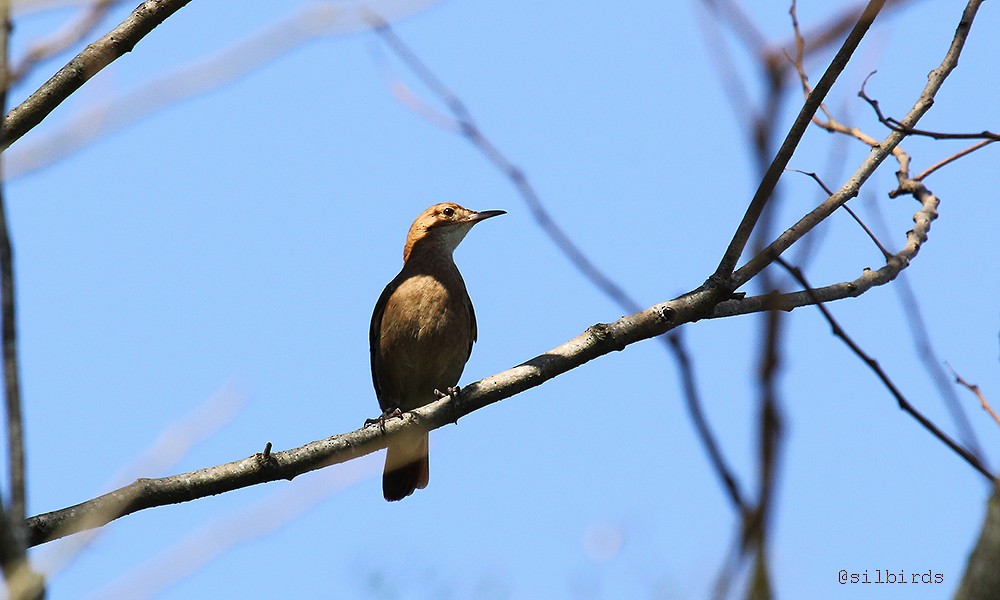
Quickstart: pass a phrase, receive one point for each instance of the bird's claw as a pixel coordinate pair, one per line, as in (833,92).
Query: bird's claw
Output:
(451,392)
(380,420)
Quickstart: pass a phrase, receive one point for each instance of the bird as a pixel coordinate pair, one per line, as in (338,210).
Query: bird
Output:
(422,331)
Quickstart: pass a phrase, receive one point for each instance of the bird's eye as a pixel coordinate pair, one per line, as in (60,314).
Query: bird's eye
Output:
(449,212)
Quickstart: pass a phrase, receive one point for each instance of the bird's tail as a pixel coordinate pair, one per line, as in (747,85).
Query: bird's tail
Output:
(406,468)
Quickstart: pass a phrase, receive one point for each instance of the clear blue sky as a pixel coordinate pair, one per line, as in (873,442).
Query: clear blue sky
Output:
(232,245)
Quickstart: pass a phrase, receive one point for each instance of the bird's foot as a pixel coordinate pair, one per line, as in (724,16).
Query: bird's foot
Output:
(380,420)
(451,392)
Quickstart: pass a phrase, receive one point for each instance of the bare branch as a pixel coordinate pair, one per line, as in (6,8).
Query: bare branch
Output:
(85,22)
(724,273)
(848,289)
(22,582)
(596,341)
(86,64)
(878,154)
(979,394)
(952,158)
(173,443)
(885,253)
(897,126)
(694,406)
(904,404)
(982,578)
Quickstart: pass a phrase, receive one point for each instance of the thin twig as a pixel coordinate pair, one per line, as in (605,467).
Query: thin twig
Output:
(975,390)
(897,126)
(697,414)
(953,158)
(469,129)
(873,364)
(925,350)
(885,253)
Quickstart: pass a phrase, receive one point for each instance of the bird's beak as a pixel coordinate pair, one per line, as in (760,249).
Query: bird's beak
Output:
(486,214)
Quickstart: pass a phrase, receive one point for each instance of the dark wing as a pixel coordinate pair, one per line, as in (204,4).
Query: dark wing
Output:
(472,329)
(375,336)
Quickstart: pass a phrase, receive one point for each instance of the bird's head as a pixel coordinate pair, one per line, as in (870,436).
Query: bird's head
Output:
(442,227)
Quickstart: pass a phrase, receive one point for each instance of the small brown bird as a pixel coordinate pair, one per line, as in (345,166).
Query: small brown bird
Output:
(421,335)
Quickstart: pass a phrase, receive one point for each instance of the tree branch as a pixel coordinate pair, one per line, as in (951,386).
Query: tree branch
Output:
(596,341)
(901,400)
(982,578)
(116,43)
(847,289)
(850,189)
(22,582)
(724,272)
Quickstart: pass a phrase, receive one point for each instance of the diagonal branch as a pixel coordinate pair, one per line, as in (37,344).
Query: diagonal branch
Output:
(724,273)
(846,289)
(88,18)
(901,400)
(113,45)
(596,341)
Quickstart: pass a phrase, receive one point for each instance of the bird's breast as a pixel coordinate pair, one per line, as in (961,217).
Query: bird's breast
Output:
(425,336)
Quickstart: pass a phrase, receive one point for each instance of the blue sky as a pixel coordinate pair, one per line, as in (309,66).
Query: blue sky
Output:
(228,250)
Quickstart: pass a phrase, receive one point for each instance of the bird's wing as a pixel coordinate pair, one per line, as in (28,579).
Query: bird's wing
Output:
(472,328)
(375,335)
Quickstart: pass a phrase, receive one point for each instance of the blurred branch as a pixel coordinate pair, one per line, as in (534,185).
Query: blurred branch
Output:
(466,125)
(190,554)
(113,45)
(234,60)
(932,365)
(8,335)
(901,400)
(173,443)
(22,582)
(84,24)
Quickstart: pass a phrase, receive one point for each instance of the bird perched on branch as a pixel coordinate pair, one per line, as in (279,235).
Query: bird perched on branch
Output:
(421,335)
